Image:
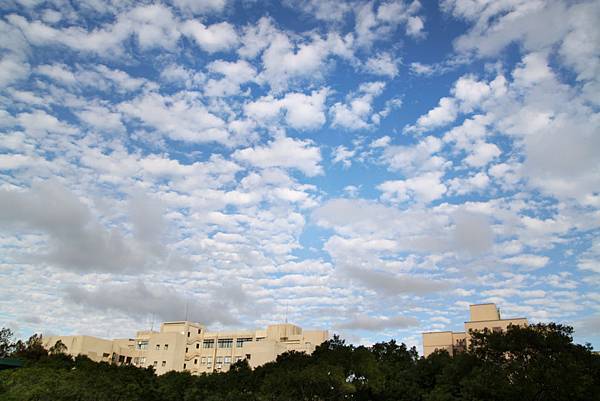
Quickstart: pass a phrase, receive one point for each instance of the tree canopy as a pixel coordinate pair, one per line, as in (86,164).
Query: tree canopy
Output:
(538,362)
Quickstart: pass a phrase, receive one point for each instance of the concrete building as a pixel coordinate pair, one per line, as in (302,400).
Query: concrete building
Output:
(188,346)
(483,316)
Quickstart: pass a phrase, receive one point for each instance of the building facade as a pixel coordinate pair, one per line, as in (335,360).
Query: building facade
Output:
(188,346)
(482,316)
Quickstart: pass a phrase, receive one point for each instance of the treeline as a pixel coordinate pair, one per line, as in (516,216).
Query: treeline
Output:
(538,362)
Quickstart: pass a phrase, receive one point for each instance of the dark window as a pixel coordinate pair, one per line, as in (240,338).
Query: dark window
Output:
(225,342)
(188,333)
(186,350)
(198,346)
(240,341)
(166,347)
(248,356)
(198,331)
(208,344)
(196,361)
(184,365)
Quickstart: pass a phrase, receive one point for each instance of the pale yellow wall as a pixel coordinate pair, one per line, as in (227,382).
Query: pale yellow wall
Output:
(185,350)
(482,316)
(97,349)
(483,312)
(442,340)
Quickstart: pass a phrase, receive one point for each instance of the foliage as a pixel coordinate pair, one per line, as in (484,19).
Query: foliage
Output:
(538,362)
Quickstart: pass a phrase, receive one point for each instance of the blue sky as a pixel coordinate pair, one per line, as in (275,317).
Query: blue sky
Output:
(370,167)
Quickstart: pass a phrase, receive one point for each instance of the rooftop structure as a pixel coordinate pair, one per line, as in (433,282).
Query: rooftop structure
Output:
(185,345)
(483,316)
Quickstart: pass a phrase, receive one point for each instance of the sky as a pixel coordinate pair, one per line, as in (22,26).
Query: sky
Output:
(366,167)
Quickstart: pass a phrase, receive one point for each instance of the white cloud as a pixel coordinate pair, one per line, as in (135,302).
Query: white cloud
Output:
(200,7)
(12,70)
(101,118)
(422,156)
(382,64)
(377,23)
(14,161)
(474,183)
(39,123)
(482,153)
(343,155)
(284,152)
(378,323)
(181,117)
(234,74)
(300,111)
(528,261)
(444,113)
(212,38)
(424,188)
(153,25)
(358,111)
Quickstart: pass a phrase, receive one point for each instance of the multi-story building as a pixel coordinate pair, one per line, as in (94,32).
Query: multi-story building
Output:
(483,316)
(188,346)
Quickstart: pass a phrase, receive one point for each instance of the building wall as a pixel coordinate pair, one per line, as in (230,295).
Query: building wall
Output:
(483,316)
(187,346)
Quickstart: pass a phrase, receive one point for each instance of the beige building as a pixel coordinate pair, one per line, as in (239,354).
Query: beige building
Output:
(188,346)
(483,316)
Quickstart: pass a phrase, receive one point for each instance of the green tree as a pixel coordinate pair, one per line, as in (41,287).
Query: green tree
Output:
(6,342)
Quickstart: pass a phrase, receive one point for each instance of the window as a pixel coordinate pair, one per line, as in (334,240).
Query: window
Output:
(199,331)
(496,329)
(105,355)
(166,347)
(158,347)
(219,361)
(240,341)
(141,345)
(155,363)
(196,361)
(188,333)
(163,364)
(198,346)
(225,342)
(186,350)
(209,360)
(227,360)
(248,356)
(184,365)
(260,338)
(208,344)
(203,360)
(238,358)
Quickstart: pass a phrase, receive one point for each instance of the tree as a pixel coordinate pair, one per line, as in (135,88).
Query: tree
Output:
(58,348)
(6,342)
(32,349)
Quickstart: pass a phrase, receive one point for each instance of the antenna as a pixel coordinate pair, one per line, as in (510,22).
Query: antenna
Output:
(186,311)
